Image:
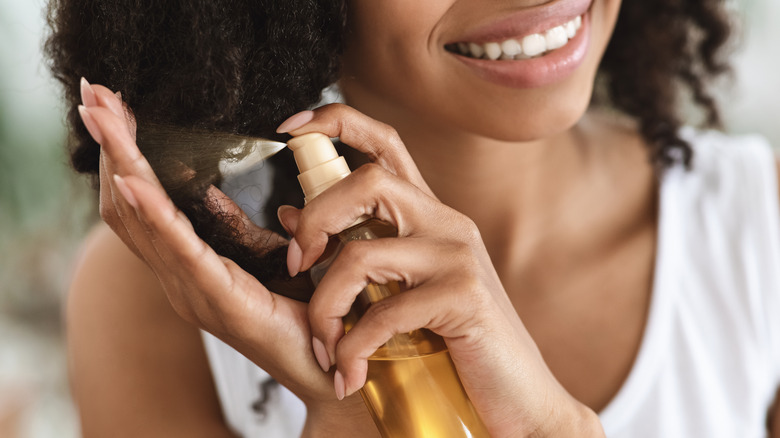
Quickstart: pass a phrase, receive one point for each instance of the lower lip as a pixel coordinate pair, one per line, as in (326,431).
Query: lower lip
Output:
(553,67)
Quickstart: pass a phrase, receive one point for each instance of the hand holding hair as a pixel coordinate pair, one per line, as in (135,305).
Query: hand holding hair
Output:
(205,289)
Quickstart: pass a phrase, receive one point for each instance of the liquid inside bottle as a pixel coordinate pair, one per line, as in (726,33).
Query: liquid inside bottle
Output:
(412,389)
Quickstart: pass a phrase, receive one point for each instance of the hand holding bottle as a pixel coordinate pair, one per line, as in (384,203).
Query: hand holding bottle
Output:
(451,285)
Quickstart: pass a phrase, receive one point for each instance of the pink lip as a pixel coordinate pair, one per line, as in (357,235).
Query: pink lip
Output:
(535,72)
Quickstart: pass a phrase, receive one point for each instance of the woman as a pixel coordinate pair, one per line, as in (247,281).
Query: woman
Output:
(571,262)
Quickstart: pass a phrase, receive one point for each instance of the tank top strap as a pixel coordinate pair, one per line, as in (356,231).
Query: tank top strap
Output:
(732,211)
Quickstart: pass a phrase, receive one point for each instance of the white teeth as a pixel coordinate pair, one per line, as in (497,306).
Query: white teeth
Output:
(528,46)
(511,48)
(493,51)
(571,29)
(556,38)
(534,44)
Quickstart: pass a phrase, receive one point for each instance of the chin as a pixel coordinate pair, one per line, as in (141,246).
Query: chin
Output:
(534,119)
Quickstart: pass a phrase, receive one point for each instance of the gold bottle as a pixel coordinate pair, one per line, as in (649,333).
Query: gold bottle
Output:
(412,389)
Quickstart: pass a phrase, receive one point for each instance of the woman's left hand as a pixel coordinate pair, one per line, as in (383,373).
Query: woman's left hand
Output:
(451,285)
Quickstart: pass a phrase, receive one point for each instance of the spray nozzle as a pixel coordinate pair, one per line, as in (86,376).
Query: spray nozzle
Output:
(319,164)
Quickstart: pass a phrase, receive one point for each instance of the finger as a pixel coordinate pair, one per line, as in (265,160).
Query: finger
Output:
(371,191)
(288,217)
(429,306)
(108,210)
(181,249)
(408,261)
(380,142)
(213,290)
(112,132)
(98,95)
(88,97)
(113,101)
(108,99)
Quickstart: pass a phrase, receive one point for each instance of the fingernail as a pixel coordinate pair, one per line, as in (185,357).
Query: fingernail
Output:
(339,386)
(280,214)
(118,95)
(125,191)
(88,97)
(320,353)
(294,258)
(90,123)
(295,122)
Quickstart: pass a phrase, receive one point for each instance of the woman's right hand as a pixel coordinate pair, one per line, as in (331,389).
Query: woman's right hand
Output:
(208,290)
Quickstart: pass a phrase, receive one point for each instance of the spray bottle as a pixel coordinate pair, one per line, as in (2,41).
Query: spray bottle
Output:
(412,389)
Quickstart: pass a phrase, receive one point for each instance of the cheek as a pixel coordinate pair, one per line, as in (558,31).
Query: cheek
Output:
(389,48)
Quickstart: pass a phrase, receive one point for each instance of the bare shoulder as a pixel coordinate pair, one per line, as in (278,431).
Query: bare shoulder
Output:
(136,368)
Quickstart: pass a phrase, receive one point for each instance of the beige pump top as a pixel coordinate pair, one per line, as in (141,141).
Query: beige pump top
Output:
(319,164)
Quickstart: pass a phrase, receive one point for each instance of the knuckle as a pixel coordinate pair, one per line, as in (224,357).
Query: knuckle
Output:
(194,262)
(336,107)
(345,350)
(372,175)
(356,252)
(388,144)
(465,227)
(470,229)
(391,137)
(139,164)
(319,310)
(380,315)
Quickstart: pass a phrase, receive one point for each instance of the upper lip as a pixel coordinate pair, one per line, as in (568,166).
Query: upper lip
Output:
(535,19)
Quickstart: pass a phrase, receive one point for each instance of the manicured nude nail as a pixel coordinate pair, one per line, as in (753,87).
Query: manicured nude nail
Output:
(295,122)
(90,123)
(88,97)
(125,191)
(294,258)
(118,95)
(320,353)
(339,385)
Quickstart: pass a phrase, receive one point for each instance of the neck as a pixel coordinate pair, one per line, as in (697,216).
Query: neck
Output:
(508,189)
(528,198)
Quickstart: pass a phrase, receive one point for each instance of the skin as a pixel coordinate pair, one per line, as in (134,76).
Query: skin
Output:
(513,280)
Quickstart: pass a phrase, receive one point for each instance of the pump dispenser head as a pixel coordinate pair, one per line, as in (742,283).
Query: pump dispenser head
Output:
(319,164)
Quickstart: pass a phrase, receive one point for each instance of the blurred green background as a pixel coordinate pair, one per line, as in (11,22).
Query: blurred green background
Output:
(45,209)
(44,212)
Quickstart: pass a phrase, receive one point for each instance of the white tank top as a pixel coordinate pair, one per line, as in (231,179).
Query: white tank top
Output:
(709,361)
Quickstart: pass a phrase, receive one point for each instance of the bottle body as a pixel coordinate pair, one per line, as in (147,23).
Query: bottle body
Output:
(412,389)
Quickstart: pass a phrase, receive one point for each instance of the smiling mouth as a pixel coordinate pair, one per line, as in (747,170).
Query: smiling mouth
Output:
(526,47)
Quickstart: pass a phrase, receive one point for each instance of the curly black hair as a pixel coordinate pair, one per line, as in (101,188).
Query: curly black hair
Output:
(243,66)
